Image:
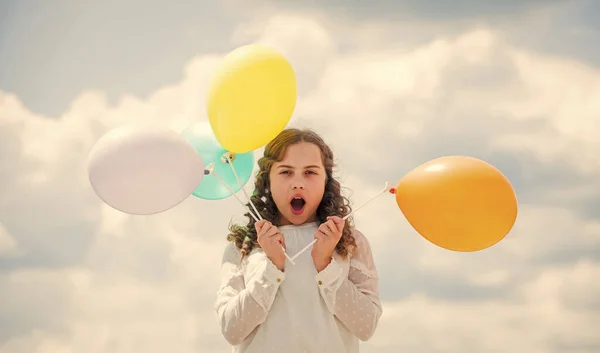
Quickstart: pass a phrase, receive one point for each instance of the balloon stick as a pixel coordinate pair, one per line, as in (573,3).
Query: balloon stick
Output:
(385,188)
(229,158)
(210,170)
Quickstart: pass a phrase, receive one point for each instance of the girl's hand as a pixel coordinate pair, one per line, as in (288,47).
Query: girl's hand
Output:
(328,235)
(271,241)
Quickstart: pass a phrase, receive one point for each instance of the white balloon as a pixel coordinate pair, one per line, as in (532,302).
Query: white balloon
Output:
(144,170)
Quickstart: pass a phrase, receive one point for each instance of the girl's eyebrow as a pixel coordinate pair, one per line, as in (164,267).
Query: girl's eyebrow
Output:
(290,167)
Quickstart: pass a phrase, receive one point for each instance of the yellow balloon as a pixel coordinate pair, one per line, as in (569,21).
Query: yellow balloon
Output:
(458,203)
(252,98)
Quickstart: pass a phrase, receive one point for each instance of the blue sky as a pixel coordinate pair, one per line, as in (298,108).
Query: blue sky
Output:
(390,86)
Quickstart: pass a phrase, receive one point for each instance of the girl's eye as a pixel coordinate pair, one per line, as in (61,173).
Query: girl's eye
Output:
(311,172)
(285,172)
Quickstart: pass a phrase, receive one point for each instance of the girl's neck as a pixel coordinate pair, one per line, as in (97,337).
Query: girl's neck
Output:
(306,224)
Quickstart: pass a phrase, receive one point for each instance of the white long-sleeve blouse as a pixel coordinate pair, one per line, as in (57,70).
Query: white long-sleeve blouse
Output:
(299,310)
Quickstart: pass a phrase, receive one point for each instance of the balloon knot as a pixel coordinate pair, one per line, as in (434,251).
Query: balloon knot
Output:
(392,190)
(228,157)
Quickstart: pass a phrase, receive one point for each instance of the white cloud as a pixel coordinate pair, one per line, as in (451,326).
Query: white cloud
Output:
(8,245)
(539,319)
(130,284)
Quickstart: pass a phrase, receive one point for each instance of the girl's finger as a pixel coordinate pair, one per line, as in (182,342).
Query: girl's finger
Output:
(271,232)
(323,228)
(267,228)
(320,236)
(259,225)
(279,238)
(331,227)
(283,243)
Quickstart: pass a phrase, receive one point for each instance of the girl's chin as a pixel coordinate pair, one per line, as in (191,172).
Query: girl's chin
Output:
(297,219)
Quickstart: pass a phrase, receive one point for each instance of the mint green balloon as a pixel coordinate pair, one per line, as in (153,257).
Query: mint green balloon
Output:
(201,137)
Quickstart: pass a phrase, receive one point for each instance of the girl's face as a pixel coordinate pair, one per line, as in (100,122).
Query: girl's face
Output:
(298,183)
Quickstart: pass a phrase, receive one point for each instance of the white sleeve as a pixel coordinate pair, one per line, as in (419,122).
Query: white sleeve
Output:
(353,297)
(246,292)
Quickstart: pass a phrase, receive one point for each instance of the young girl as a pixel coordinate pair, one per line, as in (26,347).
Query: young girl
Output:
(328,300)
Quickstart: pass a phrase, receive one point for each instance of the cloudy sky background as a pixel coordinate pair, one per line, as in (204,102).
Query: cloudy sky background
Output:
(517,84)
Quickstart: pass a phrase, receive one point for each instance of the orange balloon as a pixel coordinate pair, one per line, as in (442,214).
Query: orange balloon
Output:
(458,203)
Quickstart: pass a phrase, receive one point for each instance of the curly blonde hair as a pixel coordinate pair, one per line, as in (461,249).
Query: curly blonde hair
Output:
(332,204)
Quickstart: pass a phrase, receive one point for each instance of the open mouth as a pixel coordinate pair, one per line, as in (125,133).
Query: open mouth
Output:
(297,204)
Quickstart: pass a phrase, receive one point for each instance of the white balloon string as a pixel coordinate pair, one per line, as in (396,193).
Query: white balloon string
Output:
(385,188)
(229,160)
(345,217)
(212,171)
(304,249)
